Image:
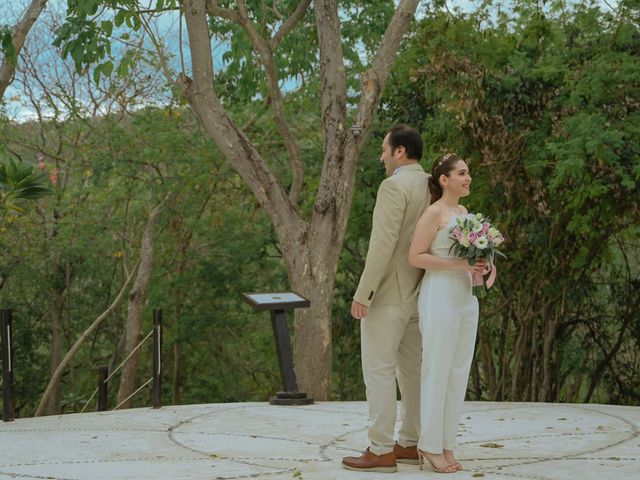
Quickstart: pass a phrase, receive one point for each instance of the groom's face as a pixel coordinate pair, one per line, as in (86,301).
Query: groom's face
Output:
(388,157)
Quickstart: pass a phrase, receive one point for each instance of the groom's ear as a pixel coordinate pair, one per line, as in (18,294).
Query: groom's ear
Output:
(400,150)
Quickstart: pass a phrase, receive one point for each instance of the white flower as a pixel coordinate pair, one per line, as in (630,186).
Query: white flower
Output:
(494,232)
(498,240)
(479,217)
(464,241)
(476,226)
(482,242)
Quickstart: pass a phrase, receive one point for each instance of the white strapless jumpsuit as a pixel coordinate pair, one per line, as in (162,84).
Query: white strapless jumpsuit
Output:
(448,322)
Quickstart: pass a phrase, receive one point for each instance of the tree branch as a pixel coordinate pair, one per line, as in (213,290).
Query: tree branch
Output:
(286,27)
(374,79)
(232,141)
(19,34)
(333,103)
(265,53)
(86,334)
(338,176)
(217,11)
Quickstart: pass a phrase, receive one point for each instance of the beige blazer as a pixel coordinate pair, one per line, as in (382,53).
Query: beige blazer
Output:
(388,278)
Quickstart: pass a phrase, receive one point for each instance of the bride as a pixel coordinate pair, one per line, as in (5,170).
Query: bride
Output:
(448,315)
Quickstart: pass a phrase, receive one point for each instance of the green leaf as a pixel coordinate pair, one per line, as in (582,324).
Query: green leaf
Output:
(107,27)
(120,17)
(107,68)
(6,44)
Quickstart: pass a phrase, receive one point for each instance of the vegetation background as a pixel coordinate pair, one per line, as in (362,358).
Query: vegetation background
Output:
(542,98)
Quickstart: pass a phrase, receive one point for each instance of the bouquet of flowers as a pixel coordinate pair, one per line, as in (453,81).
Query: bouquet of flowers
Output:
(476,239)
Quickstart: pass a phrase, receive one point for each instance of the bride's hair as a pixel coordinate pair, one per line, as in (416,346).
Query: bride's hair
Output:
(442,166)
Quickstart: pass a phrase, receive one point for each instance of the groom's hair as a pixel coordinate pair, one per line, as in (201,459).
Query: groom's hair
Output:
(403,135)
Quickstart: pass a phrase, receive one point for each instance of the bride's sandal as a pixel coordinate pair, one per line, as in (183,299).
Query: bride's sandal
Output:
(449,468)
(451,458)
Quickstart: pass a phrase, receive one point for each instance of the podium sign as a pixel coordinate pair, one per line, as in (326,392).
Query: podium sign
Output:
(277,303)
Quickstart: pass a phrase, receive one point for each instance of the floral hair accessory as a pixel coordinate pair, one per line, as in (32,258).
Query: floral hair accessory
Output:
(446,157)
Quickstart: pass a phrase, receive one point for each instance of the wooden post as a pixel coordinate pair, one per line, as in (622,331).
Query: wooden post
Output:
(103,373)
(8,413)
(157,357)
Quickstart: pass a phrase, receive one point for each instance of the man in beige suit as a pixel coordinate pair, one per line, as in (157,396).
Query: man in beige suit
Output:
(386,303)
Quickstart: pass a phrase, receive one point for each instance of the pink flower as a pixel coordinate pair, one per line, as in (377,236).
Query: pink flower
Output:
(41,166)
(472,237)
(53,176)
(485,228)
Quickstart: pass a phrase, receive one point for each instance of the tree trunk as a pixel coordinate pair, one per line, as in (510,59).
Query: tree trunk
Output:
(58,281)
(57,335)
(19,34)
(310,249)
(55,378)
(312,332)
(137,299)
(485,354)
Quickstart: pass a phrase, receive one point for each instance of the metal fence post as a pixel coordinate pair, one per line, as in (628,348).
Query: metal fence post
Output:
(157,357)
(103,373)
(8,413)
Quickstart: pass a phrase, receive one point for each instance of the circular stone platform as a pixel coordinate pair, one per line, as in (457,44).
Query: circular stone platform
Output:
(256,440)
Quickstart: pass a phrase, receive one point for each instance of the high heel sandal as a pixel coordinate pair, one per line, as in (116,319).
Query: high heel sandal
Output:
(449,468)
(456,463)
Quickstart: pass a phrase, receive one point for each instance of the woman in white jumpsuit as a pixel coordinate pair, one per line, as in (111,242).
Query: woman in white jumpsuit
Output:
(448,315)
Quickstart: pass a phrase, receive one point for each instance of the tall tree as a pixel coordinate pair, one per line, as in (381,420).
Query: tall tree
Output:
(310,242)
(12,40)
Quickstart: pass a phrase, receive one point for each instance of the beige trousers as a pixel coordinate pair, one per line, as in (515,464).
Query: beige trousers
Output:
(391,344)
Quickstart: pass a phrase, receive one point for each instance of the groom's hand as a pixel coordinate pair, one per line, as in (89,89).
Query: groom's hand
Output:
(358,310)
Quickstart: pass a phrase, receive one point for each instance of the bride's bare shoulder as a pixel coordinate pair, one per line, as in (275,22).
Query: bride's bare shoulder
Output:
(431,215)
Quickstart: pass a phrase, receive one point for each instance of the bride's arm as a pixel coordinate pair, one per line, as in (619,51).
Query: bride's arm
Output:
(423,235)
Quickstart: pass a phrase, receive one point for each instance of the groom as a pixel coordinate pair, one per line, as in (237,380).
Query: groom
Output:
(386,304)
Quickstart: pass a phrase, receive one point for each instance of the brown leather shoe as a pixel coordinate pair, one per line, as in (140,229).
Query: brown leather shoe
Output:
(406,454)
(370,462)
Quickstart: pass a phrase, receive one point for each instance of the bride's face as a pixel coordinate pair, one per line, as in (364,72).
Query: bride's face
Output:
(458,181)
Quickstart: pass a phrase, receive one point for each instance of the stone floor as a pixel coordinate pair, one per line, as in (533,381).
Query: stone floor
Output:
(255,440)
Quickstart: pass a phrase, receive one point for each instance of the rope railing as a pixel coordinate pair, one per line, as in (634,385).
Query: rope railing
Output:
(142,342)
(90,398)
(6,380)
(104,376)
(117,369)
(133,394)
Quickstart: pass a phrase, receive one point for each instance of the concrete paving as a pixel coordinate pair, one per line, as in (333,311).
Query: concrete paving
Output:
(255,440)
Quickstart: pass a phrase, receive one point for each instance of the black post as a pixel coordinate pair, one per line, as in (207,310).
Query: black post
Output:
(8,413)
(290,394)
(157,357)
(277,303)
(283,349)
(103,373)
